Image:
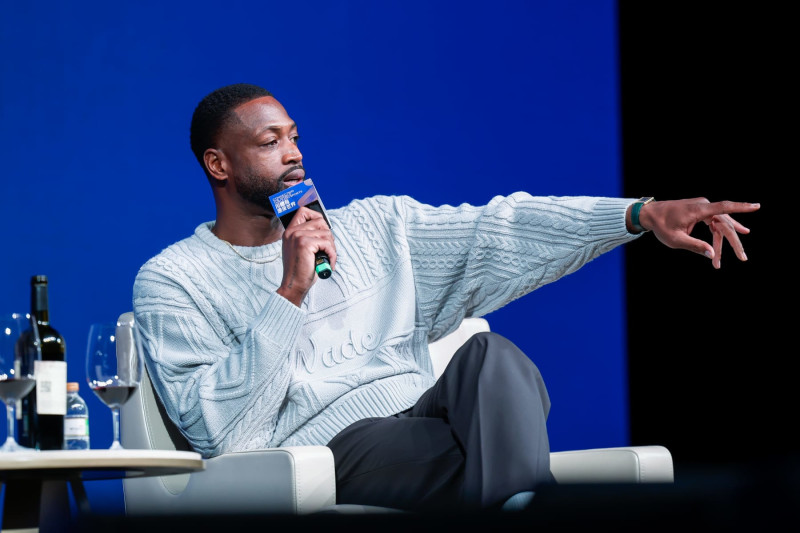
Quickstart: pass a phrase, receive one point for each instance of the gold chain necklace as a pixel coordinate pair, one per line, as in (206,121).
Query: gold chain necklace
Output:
(257,261)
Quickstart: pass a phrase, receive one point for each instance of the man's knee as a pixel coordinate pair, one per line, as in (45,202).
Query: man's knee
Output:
(488,344)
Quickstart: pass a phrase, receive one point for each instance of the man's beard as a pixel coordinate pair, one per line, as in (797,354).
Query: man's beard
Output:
(256,189)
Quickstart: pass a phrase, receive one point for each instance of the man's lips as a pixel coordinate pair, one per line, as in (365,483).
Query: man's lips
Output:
(294,177)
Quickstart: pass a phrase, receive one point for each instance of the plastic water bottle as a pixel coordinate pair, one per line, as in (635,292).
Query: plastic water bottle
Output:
(76,421)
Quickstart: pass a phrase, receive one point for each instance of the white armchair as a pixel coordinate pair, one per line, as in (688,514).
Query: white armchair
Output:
(301,479)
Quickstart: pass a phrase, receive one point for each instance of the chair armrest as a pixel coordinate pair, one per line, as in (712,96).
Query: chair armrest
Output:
(293,480)
(627,464)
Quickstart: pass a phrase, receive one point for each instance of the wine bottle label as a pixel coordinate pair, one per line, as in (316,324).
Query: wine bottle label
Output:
(51,387)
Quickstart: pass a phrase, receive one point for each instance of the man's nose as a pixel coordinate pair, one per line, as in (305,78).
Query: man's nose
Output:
(292,155)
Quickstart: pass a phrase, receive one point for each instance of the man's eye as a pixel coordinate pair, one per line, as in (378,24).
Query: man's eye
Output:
(296,138)
(273,142)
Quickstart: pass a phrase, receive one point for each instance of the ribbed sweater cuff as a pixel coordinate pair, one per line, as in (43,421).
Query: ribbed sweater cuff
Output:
(609,216)
(280,320)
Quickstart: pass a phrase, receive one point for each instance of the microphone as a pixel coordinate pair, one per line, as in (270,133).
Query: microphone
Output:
(288,201)
(323,265)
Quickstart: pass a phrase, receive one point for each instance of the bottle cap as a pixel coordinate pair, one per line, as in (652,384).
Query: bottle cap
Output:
(73,386)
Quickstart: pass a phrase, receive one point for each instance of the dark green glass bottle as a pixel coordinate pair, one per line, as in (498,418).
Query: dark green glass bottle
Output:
(41,412)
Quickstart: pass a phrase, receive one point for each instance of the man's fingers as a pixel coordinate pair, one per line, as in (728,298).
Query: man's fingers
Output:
(303,215)
(718,224)
(723,227)
(726,206)
(309,231)
(674,222)
(683,241)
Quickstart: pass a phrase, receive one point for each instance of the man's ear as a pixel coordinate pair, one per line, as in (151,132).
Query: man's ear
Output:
(216,164)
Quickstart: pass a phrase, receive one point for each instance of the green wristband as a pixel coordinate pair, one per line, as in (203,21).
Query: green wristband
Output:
(637,206)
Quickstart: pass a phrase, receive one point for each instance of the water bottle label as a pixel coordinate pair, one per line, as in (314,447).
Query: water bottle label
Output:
(76,427)
(51,387)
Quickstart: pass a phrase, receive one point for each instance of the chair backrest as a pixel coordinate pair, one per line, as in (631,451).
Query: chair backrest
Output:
(443,349)
(146,425)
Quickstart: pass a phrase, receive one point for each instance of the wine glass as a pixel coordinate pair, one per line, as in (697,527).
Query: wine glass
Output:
(19,350)
(113,367)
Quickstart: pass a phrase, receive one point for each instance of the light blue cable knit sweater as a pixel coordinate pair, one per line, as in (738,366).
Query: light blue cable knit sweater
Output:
(238,367)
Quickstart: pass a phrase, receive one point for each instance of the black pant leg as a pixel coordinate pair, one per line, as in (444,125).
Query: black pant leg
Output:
(399,462)
(475,438)
(496,403)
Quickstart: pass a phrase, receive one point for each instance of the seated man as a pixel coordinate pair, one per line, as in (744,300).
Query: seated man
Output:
(249,349)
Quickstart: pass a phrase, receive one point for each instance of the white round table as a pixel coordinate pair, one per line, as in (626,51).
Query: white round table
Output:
(36,483)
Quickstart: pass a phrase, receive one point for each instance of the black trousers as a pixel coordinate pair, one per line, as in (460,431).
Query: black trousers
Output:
(475,438)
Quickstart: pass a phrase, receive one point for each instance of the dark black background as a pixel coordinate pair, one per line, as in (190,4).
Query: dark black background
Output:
(705,113)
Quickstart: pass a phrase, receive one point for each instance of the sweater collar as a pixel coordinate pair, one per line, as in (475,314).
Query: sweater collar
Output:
(255,254)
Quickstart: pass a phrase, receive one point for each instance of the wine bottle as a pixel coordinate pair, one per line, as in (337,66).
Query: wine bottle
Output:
(41,412)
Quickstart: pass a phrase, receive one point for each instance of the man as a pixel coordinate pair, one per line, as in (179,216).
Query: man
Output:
(248,349)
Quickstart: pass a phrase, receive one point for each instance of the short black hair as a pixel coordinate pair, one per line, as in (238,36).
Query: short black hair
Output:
(216,110)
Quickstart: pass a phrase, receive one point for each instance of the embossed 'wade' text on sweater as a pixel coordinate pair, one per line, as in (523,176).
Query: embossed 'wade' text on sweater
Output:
(239,367)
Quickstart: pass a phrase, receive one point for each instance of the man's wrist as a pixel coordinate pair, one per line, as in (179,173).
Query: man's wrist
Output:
(636,209)
(291,295)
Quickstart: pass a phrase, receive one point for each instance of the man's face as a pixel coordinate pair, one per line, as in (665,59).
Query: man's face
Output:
(262,151)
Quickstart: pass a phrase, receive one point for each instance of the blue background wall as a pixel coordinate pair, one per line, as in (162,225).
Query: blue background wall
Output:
(449,102)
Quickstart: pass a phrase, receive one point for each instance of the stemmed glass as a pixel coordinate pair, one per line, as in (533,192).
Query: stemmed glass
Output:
(19,350)
(113,367)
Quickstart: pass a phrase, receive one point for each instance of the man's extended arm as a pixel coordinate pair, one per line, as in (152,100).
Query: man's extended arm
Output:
(472,260)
